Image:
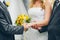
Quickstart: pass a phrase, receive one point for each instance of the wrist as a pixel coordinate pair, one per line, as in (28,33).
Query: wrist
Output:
(25,28)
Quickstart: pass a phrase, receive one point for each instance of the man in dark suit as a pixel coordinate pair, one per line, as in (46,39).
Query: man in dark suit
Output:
(54,25)
(7,30)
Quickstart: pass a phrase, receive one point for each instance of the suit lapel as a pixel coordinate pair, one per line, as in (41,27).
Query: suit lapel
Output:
(6,13)
(54,8)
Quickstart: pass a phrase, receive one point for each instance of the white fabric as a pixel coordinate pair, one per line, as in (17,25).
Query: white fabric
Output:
(1,0)
(37,14)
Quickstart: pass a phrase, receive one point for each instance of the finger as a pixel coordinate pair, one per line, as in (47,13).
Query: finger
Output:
(35,26)
(39,28)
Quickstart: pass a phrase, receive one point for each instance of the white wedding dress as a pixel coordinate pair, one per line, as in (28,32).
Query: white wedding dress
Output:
(37,14)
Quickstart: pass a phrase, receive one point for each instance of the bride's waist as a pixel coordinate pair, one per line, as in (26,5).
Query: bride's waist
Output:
(37,19)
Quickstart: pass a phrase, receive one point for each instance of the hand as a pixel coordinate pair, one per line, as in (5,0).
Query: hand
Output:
(26,26)
(36,26)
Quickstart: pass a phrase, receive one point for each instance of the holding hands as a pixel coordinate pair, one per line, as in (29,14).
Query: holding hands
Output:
(36,26)
(26,26)
(33,25)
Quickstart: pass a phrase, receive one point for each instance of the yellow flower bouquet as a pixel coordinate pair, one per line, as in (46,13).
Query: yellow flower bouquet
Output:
(22,18)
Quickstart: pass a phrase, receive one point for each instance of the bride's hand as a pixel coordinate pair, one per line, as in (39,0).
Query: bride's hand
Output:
(28,24)
(36,26)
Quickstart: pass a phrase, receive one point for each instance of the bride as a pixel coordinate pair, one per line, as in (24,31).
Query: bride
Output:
(40,12)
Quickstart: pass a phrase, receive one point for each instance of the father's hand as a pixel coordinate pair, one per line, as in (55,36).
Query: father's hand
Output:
(26,26)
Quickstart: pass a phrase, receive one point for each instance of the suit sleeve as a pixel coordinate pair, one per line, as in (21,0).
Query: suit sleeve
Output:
(44,29)
(8,28)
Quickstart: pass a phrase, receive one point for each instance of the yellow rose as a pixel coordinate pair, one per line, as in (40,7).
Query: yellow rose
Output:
(8,3)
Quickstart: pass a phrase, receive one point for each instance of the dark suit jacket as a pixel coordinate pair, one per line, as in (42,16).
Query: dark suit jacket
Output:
(55,17)
(7,30)
(54,25)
